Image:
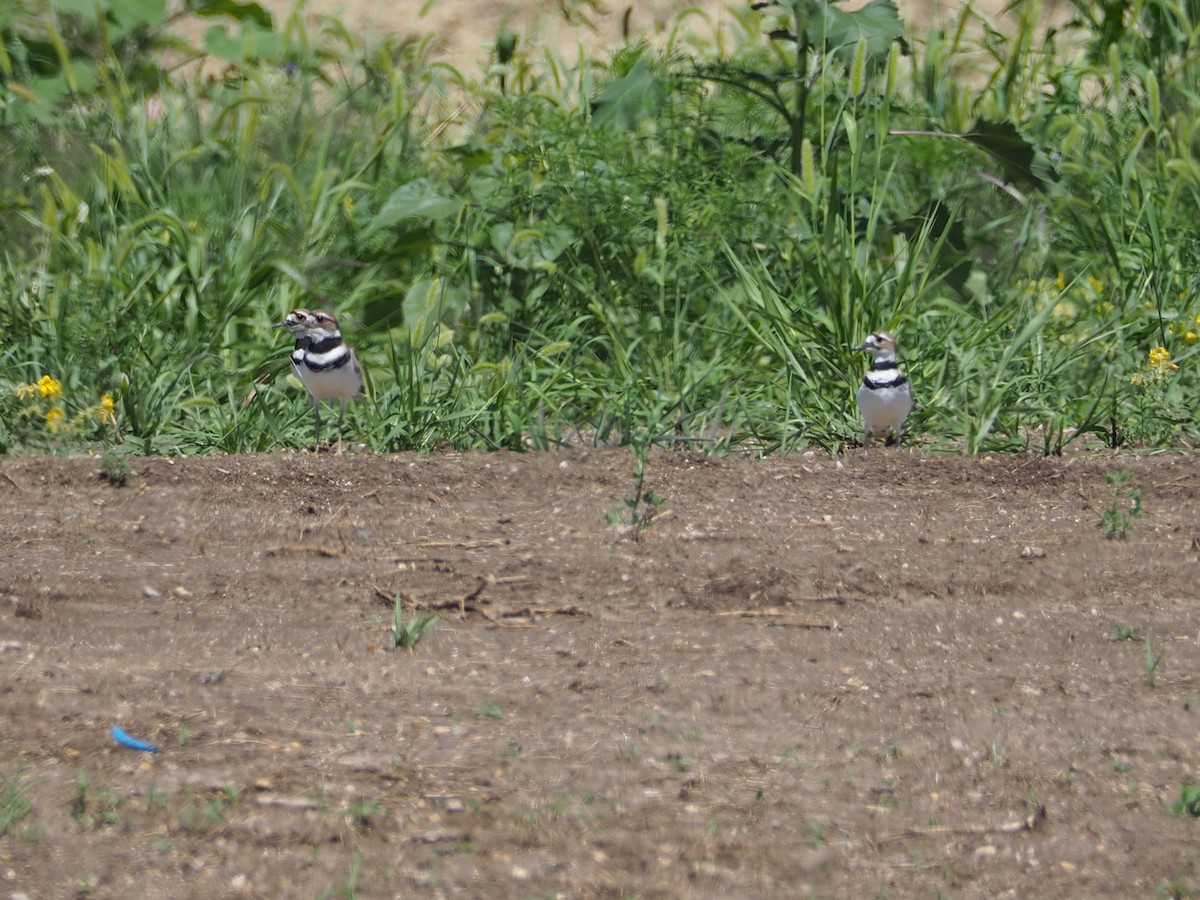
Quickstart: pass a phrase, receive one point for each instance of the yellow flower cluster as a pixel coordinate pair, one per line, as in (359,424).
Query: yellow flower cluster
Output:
(105,410)
(1160,366)
(56,420)
(46,387)
(45,394)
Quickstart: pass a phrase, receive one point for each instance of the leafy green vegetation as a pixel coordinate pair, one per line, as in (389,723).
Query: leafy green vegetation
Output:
(1124,506)
(682,241)
(637,511)
(1189,800)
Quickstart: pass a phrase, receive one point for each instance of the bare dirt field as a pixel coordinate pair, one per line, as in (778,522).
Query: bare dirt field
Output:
(881,676)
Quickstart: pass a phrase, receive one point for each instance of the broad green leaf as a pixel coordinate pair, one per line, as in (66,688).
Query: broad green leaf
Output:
(622,102)
(251,43)
(877,24)
(242,12)
(130,14)
(1021,160)
(418,199)
(56,88)
(430,302)
(531,248)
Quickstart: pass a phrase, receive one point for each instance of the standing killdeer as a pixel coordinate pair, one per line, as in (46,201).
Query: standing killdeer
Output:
(326,364)
(884,396)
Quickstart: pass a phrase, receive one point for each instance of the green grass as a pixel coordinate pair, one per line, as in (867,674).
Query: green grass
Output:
(349,890)
(673,246)
(1153,661)
(407,633)
(14,804)
(1189,800)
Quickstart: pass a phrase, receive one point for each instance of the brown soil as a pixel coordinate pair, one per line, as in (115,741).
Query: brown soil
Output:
(870,676)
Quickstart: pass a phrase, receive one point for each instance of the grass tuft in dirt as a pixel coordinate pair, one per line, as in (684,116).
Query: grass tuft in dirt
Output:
(1125,505)
(638,510)
(1153,661)
(1119,633)
(407,633)
(14,800)
(114,466)
(349,889)
(1189,800)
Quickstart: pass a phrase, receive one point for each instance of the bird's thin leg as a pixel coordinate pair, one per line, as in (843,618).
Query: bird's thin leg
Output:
(341,419)
(317,422)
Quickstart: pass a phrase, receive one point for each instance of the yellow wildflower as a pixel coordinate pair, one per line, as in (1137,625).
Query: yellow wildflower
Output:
(1096,284)
(56,419)
(1190,337)
(1198,318)
(1160,361)
(1061,282)
(25,391)
(106,411)
(49,387)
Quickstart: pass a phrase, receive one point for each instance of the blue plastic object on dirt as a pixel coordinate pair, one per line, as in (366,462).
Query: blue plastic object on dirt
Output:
(131,742)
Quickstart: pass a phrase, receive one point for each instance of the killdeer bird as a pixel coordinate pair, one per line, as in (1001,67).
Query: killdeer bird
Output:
(884,396)
(326,364)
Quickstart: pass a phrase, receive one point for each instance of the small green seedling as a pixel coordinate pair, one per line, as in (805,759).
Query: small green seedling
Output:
(14,804)
(1152,661)
(1189,800)
(114,466)
(1125,506)
(408,634)
(79,804)
(361,813)
(1120,633)
(639,509)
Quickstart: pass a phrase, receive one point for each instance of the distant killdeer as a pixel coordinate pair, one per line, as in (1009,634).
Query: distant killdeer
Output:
(326,364)
(884,396)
